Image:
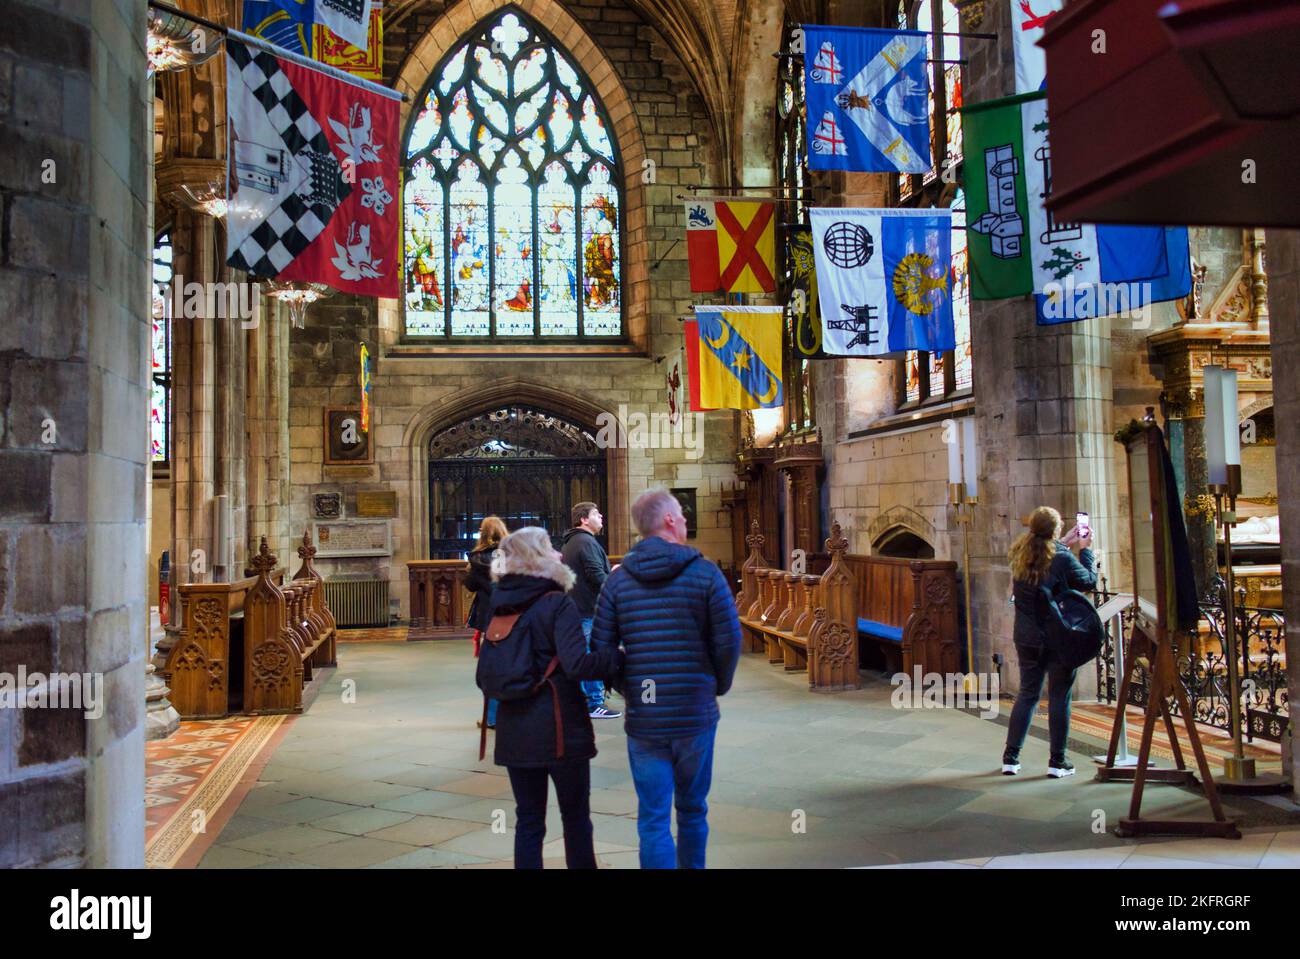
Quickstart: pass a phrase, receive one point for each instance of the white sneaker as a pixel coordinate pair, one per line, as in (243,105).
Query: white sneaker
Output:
(600,712)
(1010,769)
(1061,770)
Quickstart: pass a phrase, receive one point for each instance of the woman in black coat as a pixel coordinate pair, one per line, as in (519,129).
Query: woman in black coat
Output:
(532,580)
(479,582)
(1038,560)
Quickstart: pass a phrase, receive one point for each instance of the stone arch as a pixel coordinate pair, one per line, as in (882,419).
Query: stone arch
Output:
(446,32)
(896,521)
(450,410)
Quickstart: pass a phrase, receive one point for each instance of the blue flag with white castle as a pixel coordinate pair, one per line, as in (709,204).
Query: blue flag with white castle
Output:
(868,99)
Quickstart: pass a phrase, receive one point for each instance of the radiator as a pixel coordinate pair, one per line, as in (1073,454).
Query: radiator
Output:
(357,602)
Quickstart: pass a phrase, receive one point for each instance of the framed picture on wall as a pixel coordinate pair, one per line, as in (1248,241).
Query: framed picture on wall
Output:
(327,505)
(345,442)
(686,496)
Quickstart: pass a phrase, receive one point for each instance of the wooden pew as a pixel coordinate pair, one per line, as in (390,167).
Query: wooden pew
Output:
(198,666)
(327,654)
(907,614)
(803,621)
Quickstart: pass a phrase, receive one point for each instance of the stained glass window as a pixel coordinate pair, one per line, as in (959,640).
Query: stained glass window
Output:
(160,352)
(929,376)
(792,177)
(513,199)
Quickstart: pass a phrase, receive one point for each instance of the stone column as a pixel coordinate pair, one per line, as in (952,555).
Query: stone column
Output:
(74,375)
(1284,313)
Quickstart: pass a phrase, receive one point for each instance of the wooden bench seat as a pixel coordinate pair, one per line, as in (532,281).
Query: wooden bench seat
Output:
(251,645)
(907,614)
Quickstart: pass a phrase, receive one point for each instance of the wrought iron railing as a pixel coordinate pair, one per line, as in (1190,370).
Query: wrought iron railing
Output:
(1203,668)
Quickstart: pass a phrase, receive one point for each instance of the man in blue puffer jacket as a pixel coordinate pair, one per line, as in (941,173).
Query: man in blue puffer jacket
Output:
(674,615)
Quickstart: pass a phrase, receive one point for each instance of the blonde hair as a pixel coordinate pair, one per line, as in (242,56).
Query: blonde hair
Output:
(490,533)
(528,552)
(1031,554)
(650,508)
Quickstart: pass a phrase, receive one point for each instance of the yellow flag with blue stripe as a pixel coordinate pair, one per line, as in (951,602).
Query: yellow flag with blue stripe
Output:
(740,356)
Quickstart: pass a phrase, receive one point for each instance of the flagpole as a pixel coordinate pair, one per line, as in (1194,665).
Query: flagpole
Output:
(279,51)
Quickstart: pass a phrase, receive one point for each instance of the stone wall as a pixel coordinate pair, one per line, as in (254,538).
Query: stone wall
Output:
(74,289)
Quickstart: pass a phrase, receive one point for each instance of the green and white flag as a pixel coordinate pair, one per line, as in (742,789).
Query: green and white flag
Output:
(1015,245)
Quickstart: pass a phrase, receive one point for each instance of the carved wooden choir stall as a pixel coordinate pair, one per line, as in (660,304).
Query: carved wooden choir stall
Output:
(439,600)
(250,646)
(872,611)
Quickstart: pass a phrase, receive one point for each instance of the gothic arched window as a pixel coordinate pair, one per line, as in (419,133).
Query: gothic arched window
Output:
(161,353)
(513,197)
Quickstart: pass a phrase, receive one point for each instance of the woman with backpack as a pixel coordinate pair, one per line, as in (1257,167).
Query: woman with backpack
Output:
(1038,560)
(479,582)
(533,656)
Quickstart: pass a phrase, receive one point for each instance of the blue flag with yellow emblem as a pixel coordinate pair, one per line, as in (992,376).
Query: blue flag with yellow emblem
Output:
(286,23)
(740,356)
(884,279)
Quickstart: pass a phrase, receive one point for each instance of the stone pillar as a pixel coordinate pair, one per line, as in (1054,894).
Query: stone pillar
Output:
(1284,314)
(74,375)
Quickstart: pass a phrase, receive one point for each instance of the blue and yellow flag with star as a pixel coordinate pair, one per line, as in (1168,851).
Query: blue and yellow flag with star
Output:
(740,356)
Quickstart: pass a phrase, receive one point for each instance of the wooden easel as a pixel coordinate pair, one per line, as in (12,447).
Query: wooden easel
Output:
(1152,640)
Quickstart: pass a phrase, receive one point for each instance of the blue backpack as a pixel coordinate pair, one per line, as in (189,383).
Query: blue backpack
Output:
(1073,628)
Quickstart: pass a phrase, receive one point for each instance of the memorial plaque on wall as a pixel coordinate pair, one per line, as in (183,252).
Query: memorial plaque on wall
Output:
(350,538)
(345,442)
(327,505)
(377,503)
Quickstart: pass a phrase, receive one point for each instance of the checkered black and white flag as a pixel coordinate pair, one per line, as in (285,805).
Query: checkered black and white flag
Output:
(312,167)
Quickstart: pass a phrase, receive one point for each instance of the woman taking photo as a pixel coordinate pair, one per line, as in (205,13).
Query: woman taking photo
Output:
(479,582)
(1038,560)
(544,732)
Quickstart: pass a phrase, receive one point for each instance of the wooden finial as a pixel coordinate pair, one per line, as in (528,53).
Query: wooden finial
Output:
(755,539)
(836,544)
(306,551)
(263,560)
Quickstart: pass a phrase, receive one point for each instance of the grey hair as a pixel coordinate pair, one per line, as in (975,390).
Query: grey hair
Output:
(650,508)
(528,552)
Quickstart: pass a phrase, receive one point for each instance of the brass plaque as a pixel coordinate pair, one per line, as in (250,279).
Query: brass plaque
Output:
(377,503)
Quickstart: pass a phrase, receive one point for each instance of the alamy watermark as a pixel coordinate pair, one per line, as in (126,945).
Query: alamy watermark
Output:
(1080,301)
(202,301)
(651,431)
(921,690)
(36,690)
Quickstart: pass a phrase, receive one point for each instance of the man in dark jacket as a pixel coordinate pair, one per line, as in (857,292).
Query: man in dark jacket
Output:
(674,615)
(586,557)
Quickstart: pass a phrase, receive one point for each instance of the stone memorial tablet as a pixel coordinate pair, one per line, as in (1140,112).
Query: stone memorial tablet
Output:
(352,539)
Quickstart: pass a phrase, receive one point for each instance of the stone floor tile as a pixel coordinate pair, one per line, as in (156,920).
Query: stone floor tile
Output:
(361,822)
(425,831)
(353,853)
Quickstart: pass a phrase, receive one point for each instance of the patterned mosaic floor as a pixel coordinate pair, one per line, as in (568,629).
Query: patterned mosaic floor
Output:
(190,776)
(1093,720)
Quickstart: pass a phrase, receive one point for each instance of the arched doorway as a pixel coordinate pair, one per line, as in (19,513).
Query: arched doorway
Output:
(901,543)
(520,462)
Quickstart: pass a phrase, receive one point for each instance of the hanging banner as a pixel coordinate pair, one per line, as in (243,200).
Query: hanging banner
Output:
(803,310)
(365,389)
(691,347)
(366,61)
(867,94)
(312,173)
(1075,270)
(740,356)
(286,23)
(1028,19)
(348,19)
(731,245)
(883,279)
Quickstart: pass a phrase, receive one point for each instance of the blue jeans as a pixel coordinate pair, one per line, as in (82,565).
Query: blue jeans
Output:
(593,689)
(1035,665)
(667,772)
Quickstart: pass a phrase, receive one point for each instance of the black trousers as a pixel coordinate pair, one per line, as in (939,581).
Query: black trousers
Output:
(573,790)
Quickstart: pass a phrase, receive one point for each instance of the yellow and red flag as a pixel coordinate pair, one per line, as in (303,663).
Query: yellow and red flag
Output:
(691,337)
(368,64)
(365,389)
(731,245)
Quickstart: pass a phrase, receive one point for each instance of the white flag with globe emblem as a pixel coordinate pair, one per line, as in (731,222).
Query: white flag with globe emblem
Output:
(884,280)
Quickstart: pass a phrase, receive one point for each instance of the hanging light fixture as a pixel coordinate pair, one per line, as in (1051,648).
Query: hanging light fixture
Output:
(207,198)
(297,296)
(176,43)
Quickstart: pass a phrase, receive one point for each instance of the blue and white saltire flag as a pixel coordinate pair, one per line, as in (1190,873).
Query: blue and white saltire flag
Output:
(868,98)
(1136,266)
(884,280)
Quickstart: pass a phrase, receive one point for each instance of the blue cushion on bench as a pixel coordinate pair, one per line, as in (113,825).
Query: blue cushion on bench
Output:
(893,634)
